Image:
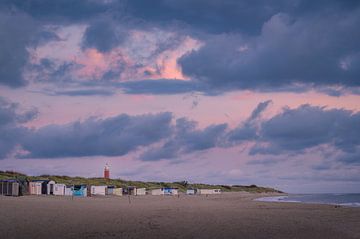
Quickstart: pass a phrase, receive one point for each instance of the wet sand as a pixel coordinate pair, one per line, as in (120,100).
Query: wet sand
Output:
(229,215)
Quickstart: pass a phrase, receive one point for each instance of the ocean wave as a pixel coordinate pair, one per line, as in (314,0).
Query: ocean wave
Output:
(350,204)
(275,199)
(306,200)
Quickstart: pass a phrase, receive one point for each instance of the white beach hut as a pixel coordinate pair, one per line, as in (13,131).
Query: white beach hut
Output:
(35,188)
(157,192)
(208,191)
(98,190)
(191,191)
(50,187)
(68,191)
(140,191)
(118,191)
(59,189)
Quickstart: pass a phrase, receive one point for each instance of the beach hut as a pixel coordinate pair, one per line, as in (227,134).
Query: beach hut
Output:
(9,187)
(50,187)
(130,190)
(110,190)
(118,191)
(35,188)
(44,187)
(157,192)
(140,191)
(98,190)
(68,191)
(170,191)
(59,189)
(208,191)
(80,190)
(191,191)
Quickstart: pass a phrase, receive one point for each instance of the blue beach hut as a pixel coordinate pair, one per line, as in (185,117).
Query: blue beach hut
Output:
(170,191)
(80,190)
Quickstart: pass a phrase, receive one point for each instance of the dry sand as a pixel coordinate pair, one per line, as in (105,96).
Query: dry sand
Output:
(229,215)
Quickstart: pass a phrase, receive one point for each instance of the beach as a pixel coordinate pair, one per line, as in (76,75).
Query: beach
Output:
(229,215)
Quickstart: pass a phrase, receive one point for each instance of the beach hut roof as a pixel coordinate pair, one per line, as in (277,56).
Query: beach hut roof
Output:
(9,180)
(40,181)
(79,187)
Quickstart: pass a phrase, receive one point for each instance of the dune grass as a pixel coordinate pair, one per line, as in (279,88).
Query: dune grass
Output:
(182,186)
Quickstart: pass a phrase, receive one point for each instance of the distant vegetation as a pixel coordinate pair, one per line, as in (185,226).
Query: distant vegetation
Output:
(182,186)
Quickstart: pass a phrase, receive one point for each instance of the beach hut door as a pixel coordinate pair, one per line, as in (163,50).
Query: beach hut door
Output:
(51,189)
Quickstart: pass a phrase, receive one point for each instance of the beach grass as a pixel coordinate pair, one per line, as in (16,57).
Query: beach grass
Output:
(181,185)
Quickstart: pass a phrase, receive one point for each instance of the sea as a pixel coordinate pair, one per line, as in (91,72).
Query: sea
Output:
(346,199)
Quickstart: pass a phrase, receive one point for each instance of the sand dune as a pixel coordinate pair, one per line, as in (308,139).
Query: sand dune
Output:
(229,215)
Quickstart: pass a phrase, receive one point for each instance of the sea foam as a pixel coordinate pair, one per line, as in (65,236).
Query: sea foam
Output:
(346,200)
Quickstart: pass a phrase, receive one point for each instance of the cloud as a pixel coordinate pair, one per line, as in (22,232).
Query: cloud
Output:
(290,132)
(203,15)
(113,136)
(85,92)
(63,11)
(288,52)
(261,45)
(16,32)
(80,92)
(187,139)
(261,107)
(296,130)
(103,35)
(12,115)
(209,16)
(19,34)
(350,158)
(159,86)
(248,130)
(11,130)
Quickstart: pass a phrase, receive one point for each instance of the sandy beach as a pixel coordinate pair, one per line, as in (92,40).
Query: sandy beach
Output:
(229,215)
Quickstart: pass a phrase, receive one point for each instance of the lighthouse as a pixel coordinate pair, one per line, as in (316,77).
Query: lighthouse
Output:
(106,171)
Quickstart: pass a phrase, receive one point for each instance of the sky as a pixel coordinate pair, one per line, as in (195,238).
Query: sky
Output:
(208,91)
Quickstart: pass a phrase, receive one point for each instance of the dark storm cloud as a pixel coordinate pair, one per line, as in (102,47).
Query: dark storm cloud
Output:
(351,158)
(48,70)
(291,132)
(259,109)
(104,35)
(295,130)
(315,51)
(216,17)
(212,16)
(22,26)
(63,11)
(187,139)
(258,45)
(159,86)
(16,32)
(209,15)
(248,130)
(11,131)
(85,92)
(11,114)
(113,136)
